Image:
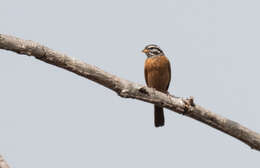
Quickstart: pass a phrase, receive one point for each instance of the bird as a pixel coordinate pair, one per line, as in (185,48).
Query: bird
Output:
(157,72)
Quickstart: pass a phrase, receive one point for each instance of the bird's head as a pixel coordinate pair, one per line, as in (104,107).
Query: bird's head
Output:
(152,50)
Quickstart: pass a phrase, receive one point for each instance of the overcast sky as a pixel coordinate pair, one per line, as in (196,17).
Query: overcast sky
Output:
(53,118)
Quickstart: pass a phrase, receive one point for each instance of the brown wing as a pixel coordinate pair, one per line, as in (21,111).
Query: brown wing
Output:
(169,70)
(146,74)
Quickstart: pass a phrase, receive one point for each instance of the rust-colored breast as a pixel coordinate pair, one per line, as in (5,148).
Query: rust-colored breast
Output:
(158,73)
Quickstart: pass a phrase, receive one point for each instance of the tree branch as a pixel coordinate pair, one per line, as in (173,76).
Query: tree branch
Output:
(3,163)
(129,89)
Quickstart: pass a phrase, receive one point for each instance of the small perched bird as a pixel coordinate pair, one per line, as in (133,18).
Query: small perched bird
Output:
(157,72)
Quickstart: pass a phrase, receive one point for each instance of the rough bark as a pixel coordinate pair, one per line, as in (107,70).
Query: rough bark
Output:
(129,89)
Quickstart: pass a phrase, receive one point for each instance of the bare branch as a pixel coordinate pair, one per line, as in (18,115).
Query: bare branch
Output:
(129,89)
(3,163)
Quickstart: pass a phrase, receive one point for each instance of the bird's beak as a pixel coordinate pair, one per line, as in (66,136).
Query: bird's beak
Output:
(145,51)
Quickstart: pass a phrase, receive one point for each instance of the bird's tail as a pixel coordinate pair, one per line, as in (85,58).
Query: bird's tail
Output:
(158,116)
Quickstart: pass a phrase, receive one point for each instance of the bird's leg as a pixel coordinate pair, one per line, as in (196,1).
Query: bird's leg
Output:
(169,95)
(153,90)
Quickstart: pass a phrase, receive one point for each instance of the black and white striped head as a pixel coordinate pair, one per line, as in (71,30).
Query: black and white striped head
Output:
(152,50)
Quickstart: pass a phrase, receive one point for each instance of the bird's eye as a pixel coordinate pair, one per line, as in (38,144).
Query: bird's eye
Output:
(155,51)
(151,48)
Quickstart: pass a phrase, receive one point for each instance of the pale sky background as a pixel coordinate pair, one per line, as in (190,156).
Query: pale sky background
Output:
(53,118)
